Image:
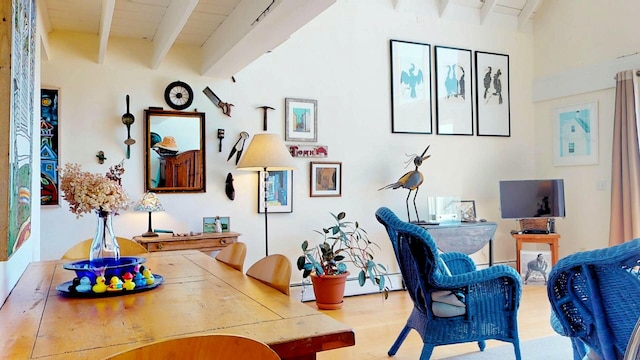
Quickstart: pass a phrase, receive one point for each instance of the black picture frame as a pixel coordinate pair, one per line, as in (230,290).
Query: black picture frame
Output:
(411,106)
(454,94)
(493,100)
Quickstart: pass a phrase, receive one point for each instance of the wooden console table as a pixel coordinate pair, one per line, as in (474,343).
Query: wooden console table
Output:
(551,239)
(205,242)
(464,237)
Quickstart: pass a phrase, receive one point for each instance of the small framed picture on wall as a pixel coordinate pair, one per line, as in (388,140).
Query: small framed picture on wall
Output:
(326,179)
(301,120)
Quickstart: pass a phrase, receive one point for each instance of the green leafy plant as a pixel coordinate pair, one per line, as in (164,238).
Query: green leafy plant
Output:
(343,242)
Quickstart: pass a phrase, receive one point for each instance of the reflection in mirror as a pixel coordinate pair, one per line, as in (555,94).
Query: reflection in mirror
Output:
(174,151)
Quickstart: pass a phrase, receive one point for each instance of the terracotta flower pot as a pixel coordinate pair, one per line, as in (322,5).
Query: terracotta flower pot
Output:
(329,290)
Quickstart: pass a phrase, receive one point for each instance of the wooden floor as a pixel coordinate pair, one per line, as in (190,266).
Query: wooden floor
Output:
(378,322)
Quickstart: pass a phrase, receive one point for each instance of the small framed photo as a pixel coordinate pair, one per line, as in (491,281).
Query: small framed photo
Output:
(467,210)
(209,224)
(279,191)
(301,120)
(454,107)
(576,135)
(326,179)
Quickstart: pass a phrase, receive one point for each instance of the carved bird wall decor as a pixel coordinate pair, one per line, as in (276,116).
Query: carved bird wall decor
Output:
(411,181)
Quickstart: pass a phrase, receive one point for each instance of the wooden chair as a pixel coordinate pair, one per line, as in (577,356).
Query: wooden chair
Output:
(233,255)
(211,347)
(80,250)
(273,270)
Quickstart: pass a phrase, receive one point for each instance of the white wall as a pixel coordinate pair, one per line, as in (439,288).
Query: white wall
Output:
(577,49)
(340,59)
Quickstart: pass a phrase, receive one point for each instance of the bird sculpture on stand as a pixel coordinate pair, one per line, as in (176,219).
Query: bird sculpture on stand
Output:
(411,181)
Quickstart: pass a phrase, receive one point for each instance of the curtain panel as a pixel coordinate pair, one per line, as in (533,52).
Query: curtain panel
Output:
(625,171)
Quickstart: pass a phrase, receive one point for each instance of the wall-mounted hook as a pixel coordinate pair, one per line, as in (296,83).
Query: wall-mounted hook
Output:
(101,157)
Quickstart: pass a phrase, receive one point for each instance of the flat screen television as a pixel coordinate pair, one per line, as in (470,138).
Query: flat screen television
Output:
(521,199)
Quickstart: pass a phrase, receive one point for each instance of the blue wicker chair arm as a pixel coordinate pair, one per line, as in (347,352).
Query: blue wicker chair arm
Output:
(458,263)
(500,273)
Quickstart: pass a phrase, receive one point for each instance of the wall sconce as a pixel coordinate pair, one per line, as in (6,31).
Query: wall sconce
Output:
(149,203)
(128,119)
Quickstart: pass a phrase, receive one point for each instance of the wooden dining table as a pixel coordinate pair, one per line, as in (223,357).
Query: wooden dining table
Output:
(199,295)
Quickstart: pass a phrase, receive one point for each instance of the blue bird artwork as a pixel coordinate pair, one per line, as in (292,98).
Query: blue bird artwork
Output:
(412,79)
(411,181)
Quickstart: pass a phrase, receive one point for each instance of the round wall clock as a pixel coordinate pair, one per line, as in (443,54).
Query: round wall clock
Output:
(178,95)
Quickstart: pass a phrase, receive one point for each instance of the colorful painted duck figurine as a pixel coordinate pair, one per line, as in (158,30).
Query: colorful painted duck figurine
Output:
(100,285)
(128,281)
(148,276)
(85,285)
(73,288)
(115,284)
(139,280)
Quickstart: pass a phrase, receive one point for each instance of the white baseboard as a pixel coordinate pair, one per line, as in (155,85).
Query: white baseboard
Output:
(304,291)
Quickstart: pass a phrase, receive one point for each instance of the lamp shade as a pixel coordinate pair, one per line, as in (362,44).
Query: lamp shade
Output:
(149,203)
(266,151)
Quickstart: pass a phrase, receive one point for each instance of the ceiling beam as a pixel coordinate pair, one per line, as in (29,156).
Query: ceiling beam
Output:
(248,33)
(106,17)
(529,8)
(486,9)
(444,4)
(44,24)
(398,4)
(172,24)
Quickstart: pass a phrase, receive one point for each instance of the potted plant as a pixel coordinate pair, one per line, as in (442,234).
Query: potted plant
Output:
(342,242)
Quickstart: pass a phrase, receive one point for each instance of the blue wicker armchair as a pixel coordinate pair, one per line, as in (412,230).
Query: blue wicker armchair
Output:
(595,299)
(491,296)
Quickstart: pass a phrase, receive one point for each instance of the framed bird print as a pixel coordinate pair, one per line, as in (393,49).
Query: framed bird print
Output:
(454,107)
(410,87)
(492,94)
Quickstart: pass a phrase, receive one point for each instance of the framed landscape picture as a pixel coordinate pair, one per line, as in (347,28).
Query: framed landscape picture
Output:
(454,108)
(492,94)
(410,87)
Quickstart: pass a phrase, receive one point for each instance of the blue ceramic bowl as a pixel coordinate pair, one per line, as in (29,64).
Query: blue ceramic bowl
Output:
(111,266)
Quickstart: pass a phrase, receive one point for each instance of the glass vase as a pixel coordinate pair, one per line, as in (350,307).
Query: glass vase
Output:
(105,244)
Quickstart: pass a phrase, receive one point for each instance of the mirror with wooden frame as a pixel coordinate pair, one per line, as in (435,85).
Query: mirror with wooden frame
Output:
(174,151)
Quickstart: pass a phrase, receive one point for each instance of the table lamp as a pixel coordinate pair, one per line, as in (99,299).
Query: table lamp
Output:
(149,203)
(266,152)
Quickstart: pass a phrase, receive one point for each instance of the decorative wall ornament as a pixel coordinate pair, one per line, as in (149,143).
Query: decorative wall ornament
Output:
(279,191)
(309,151)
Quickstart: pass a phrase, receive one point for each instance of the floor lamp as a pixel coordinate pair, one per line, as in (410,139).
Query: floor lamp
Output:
(149,203)
(266,152)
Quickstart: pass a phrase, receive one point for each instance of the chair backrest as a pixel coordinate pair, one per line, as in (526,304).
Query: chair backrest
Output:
(273,270)
(211,347)
(400,233)
(233,255)
(594,296)
(80,250)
